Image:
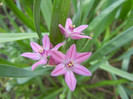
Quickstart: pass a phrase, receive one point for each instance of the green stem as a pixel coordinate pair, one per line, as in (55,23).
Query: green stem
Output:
(65,45)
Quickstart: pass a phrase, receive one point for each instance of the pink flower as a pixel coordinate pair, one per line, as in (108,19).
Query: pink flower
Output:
(70,63)
(41,53)
(71,31)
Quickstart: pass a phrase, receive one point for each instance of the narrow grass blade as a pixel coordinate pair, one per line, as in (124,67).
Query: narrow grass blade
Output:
(126,54)
(59,16)
(53,94)
(113,44)
(103,20)
(36,13)
(125,9)
(3,24)
(46,8)
(106,83)
(8,37)
(122,92)
(125,63)
(129,21)
(117,71)
(12,71)
(20,14)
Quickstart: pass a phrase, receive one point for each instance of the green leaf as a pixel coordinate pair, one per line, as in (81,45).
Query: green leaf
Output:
(103,20)
(74,3)
(122,92)
(129,21)
(85,9)
(125,63)
(36,13)
(99,19)
(69,95)
(7,37)
(3,24)
(12,71)
(5,61)
(46,8)
(117,71)
(113,44)
(59,16)
(125,9)
(53,94)
(126,54)
(23,80)
(20,14)
(2,30)
(12,20)
(106,83)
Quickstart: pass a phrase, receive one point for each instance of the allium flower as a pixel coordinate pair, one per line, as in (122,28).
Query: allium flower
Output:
(41,53)
(70,63)
(71,31)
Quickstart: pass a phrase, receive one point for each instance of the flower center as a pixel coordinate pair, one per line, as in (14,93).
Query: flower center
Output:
(69,64)
(71,27)
(41,51)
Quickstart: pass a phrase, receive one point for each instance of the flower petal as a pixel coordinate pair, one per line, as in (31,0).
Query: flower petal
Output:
(76,33)
(51,45)
(58,56)
(82,56)
(62,29)
(68,23)
(46,42)
(36,47)
(42,61)
(76,36)
(70,80)
(51,61)
(79,69)
(71,53)
(59,70)
(58,46)
(80,28)
(33,56)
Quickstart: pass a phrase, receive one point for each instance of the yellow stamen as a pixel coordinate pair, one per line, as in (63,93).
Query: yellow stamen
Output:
(70,64)
(40,50)
(72,26)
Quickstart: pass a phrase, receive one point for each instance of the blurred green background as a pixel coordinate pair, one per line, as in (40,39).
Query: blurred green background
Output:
(110,24)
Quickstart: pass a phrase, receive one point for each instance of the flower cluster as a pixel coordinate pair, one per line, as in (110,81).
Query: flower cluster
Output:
(65,64)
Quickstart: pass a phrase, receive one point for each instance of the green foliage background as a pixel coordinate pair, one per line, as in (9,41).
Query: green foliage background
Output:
(110,23)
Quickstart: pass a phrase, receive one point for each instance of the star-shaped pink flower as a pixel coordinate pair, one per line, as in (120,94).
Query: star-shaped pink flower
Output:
(70,63)
(71,31)
(41,53)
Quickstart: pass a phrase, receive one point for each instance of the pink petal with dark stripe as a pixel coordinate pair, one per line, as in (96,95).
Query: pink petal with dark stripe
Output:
(33,56)
(58,46)
(58,56)
(70,80)
(82,56)
(40,62)
(71,53)
(80,28)
(77,36)
(59,70)
(79,69)
(68,23)
(46,42)
(62,29)
(36,47)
